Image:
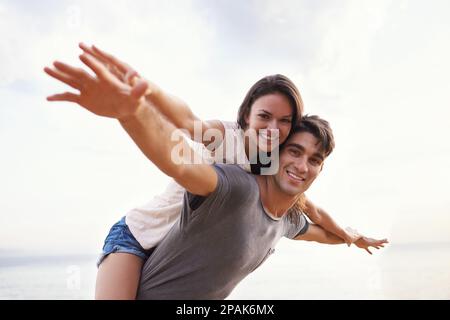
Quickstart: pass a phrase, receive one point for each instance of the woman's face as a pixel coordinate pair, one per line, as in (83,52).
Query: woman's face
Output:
(273,113)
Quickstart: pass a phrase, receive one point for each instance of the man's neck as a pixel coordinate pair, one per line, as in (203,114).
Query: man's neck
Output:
(272,198)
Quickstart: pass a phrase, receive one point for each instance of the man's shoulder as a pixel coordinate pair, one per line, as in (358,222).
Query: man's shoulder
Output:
(234,175)
(231,169)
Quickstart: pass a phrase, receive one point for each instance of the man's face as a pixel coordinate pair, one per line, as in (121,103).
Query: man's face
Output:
(300,163)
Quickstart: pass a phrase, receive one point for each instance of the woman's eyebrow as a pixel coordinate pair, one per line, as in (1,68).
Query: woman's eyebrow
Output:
(286,116)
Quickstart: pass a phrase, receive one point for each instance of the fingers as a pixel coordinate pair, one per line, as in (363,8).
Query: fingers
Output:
(99,69)
(66,96)
(368,251)
(123,71)
(89,50)
(63,78)
(112,68)
(132,77)
(123,67)
(76,73)
(139,89)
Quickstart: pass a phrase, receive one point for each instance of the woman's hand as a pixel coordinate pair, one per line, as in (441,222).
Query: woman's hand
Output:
(365,243)
(123,71)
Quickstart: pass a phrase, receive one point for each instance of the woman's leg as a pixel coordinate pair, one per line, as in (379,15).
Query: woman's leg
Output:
(118,277)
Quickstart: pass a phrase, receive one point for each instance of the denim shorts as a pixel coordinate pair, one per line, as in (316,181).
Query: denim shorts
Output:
(121,240)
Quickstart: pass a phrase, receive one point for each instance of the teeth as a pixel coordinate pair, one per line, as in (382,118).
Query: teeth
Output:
(294,176)
(265,136)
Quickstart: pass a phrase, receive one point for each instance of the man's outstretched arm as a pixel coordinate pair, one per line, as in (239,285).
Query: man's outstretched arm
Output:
(321,217)
(104,95)
(153,135)
(173,108)
(318,234)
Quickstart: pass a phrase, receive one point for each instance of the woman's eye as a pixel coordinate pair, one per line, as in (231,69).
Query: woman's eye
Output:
(286,120)
(264,116)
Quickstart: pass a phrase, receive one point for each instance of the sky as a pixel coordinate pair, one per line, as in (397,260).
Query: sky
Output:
(376,70)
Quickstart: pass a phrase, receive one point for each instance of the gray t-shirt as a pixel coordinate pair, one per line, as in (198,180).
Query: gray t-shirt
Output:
(214,246)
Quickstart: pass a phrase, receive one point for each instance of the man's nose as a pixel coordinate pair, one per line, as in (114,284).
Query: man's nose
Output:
(301,165)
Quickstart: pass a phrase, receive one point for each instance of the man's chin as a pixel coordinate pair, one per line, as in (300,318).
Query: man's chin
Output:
(292,191)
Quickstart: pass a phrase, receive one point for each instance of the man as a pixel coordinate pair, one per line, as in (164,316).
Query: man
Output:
(232,220)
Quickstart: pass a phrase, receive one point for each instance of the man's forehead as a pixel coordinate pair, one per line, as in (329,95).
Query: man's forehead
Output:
(302,138)
(305,140)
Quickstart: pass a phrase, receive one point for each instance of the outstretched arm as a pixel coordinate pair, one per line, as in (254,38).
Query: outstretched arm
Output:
(322,218)
(318,234)
(153,135)
(174,109)
(106,96)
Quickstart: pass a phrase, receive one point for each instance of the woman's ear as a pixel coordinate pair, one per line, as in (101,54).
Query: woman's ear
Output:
(247,119)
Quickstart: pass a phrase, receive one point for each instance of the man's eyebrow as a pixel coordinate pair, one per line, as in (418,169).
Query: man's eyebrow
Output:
(295,145)
(301,148)
(318,155)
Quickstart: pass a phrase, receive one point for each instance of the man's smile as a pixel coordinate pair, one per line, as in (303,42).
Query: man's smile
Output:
(294,176)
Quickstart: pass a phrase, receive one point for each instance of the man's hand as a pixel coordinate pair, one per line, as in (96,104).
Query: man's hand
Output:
(365,243)
(105,95)
(123,71)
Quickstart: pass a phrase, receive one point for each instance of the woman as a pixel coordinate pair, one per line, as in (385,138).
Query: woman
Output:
(270,109)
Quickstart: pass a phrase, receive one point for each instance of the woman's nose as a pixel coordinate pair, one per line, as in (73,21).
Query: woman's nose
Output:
(272,125)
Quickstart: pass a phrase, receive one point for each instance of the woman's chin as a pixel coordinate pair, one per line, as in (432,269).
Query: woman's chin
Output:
(267,147)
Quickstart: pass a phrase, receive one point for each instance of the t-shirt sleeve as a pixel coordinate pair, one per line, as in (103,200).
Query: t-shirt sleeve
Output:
(296,228)
(193,204)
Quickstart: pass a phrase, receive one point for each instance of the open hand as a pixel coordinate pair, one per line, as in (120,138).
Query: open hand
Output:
(122,70)
(105,94)
(366,243)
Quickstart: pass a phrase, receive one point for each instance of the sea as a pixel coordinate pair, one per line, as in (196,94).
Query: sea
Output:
(297,270)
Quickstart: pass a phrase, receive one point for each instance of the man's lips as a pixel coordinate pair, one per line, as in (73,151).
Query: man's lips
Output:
(294,176)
